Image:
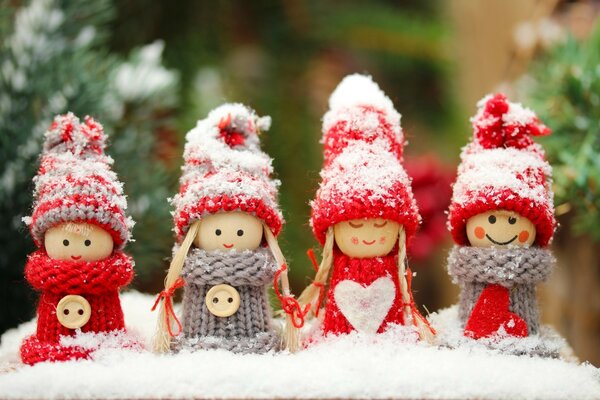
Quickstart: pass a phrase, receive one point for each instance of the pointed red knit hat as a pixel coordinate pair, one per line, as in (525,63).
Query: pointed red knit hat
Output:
(75,182)
(362,176)
(225,170)
(503,168)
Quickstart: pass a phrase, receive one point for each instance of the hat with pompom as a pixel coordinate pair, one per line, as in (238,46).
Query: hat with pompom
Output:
(362,176)
(75,182)
(225,170)
(503,168)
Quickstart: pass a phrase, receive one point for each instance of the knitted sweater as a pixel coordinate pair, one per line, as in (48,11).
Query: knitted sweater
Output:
(98,282)
(249,328)
(518,269)
(364,295)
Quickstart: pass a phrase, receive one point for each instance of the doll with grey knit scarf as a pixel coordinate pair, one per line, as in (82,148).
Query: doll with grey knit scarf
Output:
(226,256)
(502,220)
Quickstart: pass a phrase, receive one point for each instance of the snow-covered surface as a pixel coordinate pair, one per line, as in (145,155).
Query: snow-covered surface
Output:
(384,366)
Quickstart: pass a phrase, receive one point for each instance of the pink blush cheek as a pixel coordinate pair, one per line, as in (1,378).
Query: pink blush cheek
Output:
(354,240)
(382,240)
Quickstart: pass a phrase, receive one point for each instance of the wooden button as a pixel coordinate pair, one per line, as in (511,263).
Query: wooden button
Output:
(222,300)
(73,311)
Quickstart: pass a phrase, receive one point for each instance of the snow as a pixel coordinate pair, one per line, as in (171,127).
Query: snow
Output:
(363,170)
(144,76)
(357,90)
(352,366)
(495,170)
(346,104)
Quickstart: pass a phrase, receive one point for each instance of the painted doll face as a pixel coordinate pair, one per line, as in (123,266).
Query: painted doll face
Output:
(229,231)
(365,238)
(500,228)
(78,242)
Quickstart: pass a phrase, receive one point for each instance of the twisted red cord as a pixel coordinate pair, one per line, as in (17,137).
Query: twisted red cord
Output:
(321,295)
(311,255)
(413,307)
(167,294)
(288,303)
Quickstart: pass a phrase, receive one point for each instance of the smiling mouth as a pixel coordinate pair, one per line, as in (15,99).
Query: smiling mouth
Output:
(75,257)
(228,245)
(500,243)
(368,243)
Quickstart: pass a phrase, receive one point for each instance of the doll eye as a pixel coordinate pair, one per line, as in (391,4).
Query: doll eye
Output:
(492,219)
(355,225)
(240,232)
(512,220)
(87,243)
(65,242)
(218,232)
(384,223)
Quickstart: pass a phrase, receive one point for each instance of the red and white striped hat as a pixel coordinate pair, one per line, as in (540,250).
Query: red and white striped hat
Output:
(503,168)
(362,176)
(226,170)
(75,182)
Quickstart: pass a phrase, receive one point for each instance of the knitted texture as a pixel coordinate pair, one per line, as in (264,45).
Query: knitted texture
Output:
(362,176)
(491,316)
(249,329)
(225,170)
(518,269)
(75,182)
(98,282)
(502,168)
(364,271)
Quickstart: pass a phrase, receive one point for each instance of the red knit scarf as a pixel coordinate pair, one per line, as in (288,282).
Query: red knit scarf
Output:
(78,277)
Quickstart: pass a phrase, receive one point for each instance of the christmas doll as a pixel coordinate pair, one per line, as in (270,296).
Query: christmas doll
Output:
(226,256)
(502,220)
(363,214)
(80,228)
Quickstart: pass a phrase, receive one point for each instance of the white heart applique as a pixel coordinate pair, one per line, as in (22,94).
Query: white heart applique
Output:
(365,307)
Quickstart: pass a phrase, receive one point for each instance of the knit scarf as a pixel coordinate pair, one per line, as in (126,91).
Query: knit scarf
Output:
(236,268)
(507,267)
(78,277)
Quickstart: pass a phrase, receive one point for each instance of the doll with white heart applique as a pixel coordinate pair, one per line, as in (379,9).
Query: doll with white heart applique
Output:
(363,214)
(502,220)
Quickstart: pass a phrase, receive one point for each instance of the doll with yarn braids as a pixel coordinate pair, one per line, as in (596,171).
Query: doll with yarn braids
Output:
(363,214)
(226,256)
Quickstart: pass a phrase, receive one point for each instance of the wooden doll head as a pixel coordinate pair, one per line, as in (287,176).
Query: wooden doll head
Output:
(366,238)
(229,230)
(78,241)
(500,228)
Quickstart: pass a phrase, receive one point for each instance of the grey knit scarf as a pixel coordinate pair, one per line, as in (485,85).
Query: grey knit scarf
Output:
(518,269)
(249,330)
(235,268)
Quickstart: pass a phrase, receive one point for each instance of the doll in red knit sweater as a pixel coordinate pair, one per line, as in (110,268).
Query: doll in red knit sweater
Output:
(363,214)
(80,228)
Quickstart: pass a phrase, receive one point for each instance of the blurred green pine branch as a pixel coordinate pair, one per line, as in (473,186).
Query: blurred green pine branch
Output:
(566,93)
(54,58)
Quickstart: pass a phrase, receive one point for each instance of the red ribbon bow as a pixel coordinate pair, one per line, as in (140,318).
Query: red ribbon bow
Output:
(167,294)
(413,307)
(288,303)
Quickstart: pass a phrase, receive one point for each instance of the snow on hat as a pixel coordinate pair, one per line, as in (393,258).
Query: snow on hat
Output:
(225,170)
(363,176)
(503,168)
(75,182)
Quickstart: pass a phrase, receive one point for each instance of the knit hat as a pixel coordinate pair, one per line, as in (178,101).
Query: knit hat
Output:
(75,182)
(362,176)
(225,170)
(503,168)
